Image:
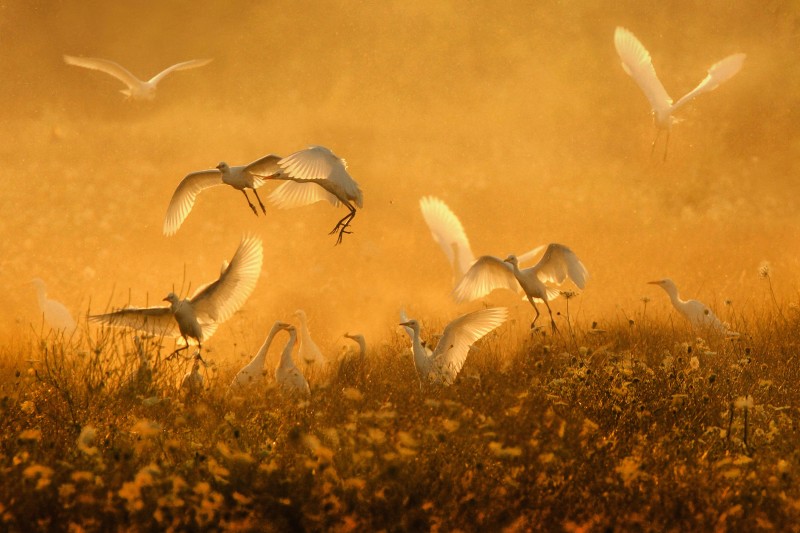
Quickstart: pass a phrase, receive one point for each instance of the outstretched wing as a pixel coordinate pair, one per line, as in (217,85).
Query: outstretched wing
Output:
(531,254)
(458,336)
(219,300)
(485,275)
(718,74)
(290,194)
(263,167)
(186,65)
(185,195)
(558,263)
(152,320)
(104,65)
(637,63)
(448,233)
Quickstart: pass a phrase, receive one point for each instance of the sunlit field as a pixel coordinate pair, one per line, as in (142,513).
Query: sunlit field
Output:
(523,121)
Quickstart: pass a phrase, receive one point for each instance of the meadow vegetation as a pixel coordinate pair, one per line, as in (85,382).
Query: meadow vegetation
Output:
(640,425)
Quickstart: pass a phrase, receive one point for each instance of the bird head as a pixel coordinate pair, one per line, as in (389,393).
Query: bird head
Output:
(300,314)
(413,324)
(223,166)
(357,337)
(666,284)
(171,298)
(512,259)
(290,328)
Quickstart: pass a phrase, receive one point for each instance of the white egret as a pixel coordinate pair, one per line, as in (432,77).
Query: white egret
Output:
(556,265)
(198,317)
(55,314)
(193,381)
(239,177)
(444,364)
(696,312)
(448,233)
(309,352)
(313,175)
(137,89)
(287,374)
(637,63)
(362,343)
(253,372)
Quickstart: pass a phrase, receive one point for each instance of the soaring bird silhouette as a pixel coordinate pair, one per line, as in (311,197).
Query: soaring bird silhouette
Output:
(137,89)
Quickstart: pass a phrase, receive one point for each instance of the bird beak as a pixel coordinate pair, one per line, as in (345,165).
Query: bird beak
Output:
(165,300)
(654,282)
(405,323)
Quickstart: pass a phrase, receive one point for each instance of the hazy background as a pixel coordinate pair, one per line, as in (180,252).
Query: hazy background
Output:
(517,114)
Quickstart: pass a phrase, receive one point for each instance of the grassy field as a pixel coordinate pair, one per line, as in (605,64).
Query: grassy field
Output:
(643,426)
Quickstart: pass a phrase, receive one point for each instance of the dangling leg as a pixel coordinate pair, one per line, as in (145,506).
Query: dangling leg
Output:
(260,203)
(344,223)
(250,203)
(666,146)
(552,321)
(653,147)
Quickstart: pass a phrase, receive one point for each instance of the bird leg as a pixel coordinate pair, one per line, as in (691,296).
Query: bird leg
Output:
(653,147)
(552,321)
(533,324)
(666,146)
(250,203)
(260,203)
(343,224)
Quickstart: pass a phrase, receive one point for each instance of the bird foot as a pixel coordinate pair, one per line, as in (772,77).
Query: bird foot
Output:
(263,209)
(254,209)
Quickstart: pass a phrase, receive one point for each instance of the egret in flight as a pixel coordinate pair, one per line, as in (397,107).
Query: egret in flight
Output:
(55,314)
(445,362)
(239,177)
(313,175)
(556,265)
(637,63)
(198,317)
(253,372)
(137,89)
(287,374)
(449,234)
(697,313)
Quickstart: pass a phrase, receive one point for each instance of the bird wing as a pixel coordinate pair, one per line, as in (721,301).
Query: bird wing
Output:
(637,63)
(319,163)
(186,65)
(458,336)
(531,254)
(558,263)
(104,65)
(290,194)
(219,300)
(185,195)
(263,167)
(152,320)
(718,74)
(485,275)
(448,233)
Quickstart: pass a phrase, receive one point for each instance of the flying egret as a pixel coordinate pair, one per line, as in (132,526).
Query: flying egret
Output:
(637,63)
(239,177)
(56,315)
(697,313)
(192,382)
(444,364)
(198,317)
(287,374)
(313,175)
(309,352)
(556,265)
(448,233)
(137,89)
(253,372)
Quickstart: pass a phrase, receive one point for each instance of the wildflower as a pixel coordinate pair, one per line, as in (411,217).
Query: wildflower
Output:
(744,402)
(30,435)
(352,394)
(86,439)
(764,269)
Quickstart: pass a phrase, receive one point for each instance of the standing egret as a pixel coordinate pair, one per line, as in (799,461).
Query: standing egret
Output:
(309,352)
(287,374)
(313,175)
(55,314)
(253,372)
(448,233)
(198,317)
(444,364)
(192,382)
(637,63)
(137,89)
(240,178)
(696,312)
(362,344)
(556,265)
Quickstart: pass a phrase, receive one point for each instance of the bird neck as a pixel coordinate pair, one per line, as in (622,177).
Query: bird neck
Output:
(362,347)
(420,355)
(41,296)
(261,356)
(286,356)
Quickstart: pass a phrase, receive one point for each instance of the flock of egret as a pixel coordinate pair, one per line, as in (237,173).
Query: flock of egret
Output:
(316,174)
